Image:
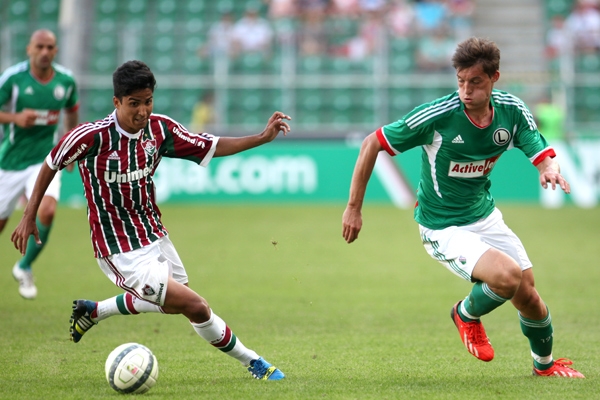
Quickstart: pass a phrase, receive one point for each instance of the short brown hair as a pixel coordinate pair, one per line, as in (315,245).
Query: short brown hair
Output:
(475,51)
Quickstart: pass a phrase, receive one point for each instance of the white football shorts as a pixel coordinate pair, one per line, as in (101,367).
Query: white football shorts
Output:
(459,248)
(145,272)
(13,184)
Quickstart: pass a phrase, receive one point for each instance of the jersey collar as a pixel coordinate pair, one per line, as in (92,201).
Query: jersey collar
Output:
(37,78)
(124,132)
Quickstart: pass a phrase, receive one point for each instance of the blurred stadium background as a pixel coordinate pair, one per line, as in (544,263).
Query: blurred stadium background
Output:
(340,68)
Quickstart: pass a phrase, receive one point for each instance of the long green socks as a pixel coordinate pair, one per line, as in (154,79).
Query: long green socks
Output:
(33,249)
(539,334)
(479,302)
(482,301)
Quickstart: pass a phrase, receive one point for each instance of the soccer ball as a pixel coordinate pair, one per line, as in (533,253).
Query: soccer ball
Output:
(131,368)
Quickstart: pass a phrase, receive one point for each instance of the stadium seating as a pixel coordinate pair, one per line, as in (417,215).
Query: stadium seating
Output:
(22,19)
(168,36)
(98,104)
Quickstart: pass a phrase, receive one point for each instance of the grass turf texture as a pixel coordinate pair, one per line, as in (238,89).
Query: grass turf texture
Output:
(367,320)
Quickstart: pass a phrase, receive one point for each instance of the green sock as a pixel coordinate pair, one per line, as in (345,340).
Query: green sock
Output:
(539,334)
(479,302)
(33,249)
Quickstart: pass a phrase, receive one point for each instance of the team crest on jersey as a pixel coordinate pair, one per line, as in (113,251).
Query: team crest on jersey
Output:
(148,291)
(501,136)
(149,146)
(59,92)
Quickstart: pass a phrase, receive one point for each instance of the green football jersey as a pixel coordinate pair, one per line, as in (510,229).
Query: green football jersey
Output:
(22,147)
(458,155)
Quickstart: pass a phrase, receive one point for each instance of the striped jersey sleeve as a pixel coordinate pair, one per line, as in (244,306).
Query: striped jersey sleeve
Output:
(117,170)
(178,142)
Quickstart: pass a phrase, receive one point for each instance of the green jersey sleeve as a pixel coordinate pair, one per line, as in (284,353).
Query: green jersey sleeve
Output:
(417,128)
(527,137)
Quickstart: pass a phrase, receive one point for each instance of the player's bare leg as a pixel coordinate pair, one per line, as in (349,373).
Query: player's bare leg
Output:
(179,299)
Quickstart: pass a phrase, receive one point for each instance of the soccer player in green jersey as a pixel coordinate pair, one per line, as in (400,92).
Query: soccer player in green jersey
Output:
(462,135)
(35,91)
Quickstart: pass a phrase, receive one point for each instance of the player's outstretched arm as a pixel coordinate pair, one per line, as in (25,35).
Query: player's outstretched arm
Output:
(231,145)
(550,174)
(352,218)
(27,226)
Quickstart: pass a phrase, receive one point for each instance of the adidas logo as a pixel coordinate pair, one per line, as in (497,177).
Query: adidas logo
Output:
(29,90)
(113,156)
(458,139)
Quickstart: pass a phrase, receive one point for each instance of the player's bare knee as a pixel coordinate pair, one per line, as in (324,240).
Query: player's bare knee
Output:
(199,311)
(530,303)
(506,281)
(46,215)
(47,210)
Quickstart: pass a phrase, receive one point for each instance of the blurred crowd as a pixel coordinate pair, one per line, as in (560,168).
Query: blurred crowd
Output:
(577,33)
(353,29)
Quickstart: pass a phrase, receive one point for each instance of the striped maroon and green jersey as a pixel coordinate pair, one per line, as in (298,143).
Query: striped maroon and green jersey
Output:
(19,90)
(116,169)
(458,155)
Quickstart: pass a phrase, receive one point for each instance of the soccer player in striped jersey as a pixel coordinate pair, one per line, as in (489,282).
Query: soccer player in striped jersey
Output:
(117,158)
(462,135)
(36,91)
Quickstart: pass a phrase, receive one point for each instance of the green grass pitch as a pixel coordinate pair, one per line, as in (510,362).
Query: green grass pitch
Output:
(363,321)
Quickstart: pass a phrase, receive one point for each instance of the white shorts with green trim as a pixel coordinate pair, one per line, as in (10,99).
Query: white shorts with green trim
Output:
(145,272)
(14,184)
(459,248)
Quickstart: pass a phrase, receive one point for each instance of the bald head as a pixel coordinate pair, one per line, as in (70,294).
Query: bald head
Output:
(41,50)
(42,34)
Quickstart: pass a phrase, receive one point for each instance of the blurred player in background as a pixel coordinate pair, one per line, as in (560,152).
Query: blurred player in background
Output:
(462,136)
(117,158)
(35,92)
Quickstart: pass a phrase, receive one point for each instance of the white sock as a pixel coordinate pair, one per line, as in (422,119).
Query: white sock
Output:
(217,333)
(124,304)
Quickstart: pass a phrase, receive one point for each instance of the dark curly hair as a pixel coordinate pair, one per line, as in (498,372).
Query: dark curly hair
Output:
(132,76)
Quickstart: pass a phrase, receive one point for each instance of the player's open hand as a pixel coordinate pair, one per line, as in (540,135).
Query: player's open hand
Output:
(20,236)
(351,224)
(277,124)
(551,177)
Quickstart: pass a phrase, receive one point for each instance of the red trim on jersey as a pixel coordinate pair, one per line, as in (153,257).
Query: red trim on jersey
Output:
(383,141)
(72,109)
(40,80)
(226,339)
(549,152)
(475,123)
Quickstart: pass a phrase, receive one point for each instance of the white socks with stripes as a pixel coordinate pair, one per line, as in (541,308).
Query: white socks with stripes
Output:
(216,332)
